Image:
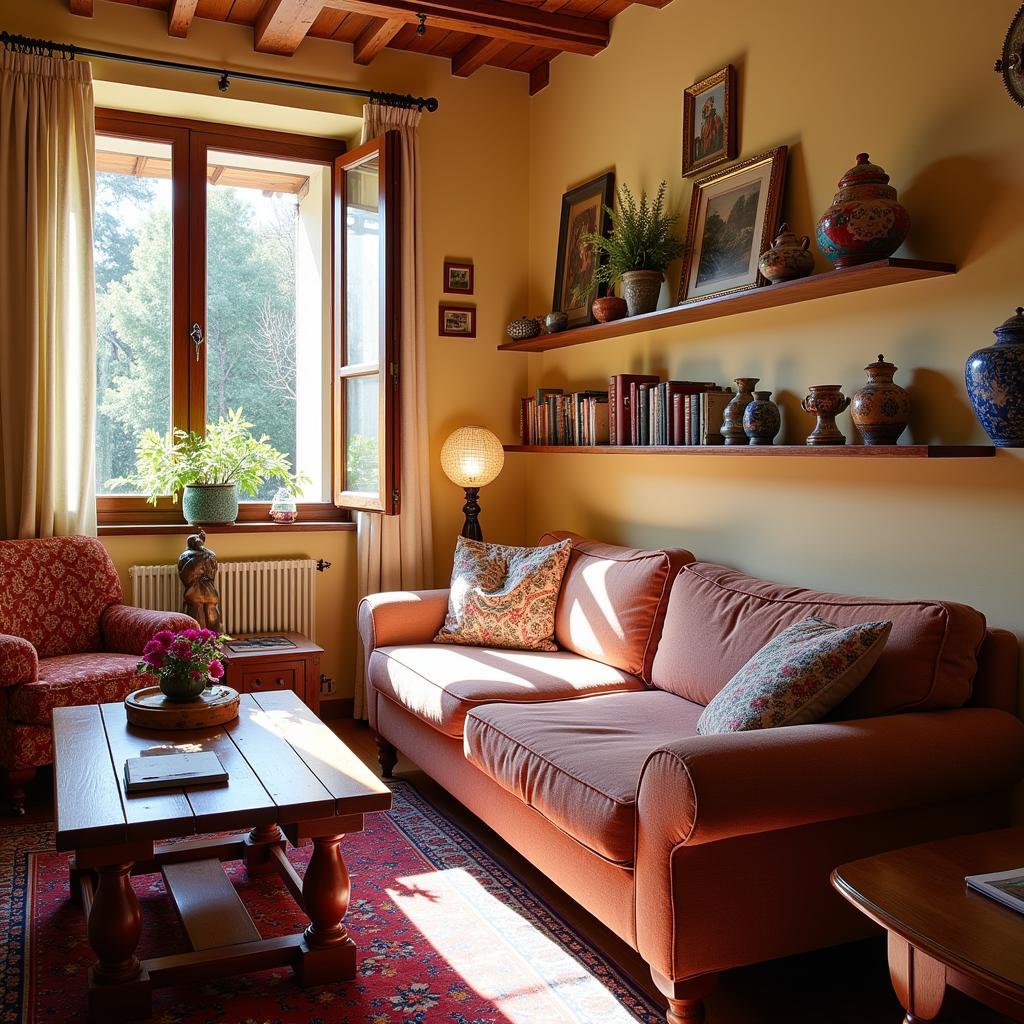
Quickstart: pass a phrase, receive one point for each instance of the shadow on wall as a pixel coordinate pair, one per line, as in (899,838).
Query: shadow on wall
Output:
(938,412)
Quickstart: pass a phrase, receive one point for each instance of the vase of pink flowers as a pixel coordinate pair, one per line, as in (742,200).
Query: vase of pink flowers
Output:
(184,663)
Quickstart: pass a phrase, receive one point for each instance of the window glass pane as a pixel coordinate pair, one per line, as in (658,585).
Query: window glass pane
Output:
(362,263)
(266,307)
(132,244)
(362,441)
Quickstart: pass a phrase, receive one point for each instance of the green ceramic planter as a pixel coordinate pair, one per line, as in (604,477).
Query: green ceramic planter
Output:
(180,688)
(210,503)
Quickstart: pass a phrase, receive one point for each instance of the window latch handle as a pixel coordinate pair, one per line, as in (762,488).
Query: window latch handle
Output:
(196,334)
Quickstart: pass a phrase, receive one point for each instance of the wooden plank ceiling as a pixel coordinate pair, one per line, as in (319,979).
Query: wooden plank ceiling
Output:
(522,35)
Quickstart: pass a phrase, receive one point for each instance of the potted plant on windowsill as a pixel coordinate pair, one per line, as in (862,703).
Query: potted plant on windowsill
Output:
(209,469)
(639,248)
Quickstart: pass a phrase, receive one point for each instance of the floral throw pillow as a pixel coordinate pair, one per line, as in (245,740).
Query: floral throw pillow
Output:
(504,596)
(798,677)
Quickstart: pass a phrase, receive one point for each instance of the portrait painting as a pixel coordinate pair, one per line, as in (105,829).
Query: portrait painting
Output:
(733,214)
(709,122)
(458,277)
(584,212)
(456,321)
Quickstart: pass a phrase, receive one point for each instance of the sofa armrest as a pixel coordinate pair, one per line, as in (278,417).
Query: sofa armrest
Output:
(126,630)
(401,617)
(704,789)
(19,661)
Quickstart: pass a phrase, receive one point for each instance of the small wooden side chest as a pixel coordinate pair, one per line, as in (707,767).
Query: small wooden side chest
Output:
(294,665)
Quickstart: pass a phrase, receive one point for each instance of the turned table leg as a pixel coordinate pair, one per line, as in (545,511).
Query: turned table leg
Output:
(329,954)
(117,984)
(258,844)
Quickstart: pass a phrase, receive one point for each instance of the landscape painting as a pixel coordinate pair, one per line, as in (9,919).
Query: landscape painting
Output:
(725,247)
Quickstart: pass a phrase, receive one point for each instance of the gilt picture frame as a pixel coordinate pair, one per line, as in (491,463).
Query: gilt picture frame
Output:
(710,135)
(733,215)
(584,209)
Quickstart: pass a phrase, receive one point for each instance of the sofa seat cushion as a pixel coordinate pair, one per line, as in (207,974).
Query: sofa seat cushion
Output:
(578,763)
(70,680)
(441,684)
(613,601)
(718,618)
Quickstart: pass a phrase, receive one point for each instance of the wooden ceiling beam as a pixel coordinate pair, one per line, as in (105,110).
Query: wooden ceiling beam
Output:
(283,24)
(374,38)
(179,17)
(497,19)
(81,7)
(475,55)
(539,77)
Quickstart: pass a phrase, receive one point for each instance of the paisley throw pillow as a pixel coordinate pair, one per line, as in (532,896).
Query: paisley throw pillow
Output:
(504,596)
(798,677)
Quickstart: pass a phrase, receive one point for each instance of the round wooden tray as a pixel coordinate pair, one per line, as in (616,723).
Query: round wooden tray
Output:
(150,708)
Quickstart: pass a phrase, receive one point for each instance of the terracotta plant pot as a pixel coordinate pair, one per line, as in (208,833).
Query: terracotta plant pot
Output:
(640,289)
(608,308)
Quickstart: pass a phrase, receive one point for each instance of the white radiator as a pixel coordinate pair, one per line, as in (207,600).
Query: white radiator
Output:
(255,597)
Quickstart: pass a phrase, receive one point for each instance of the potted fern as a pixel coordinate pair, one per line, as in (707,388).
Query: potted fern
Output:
(639,248)
(208,469)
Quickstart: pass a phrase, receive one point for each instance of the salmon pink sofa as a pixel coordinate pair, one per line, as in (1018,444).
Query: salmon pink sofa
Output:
(702,852)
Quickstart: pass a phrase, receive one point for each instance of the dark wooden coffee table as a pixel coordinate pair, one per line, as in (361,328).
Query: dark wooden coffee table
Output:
(290,776)
(941,934)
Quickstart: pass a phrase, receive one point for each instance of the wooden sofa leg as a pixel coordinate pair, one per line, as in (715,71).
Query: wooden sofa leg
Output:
(18,780)
(685,998)
(387,756)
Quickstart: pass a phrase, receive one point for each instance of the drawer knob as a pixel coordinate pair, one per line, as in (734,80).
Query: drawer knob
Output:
(280,680)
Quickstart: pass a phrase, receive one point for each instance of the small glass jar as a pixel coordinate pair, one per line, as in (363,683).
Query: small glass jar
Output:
(283,508)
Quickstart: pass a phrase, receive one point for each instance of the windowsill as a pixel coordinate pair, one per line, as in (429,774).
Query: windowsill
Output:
(146,529)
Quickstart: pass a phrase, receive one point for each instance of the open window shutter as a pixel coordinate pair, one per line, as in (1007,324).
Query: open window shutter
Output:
(366,327)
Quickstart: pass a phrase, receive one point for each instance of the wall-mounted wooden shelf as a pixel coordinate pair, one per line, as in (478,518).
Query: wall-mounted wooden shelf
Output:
(833,282)
(851,451)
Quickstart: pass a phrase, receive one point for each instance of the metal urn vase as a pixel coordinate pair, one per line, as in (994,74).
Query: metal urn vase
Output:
(995,383)
(865,221)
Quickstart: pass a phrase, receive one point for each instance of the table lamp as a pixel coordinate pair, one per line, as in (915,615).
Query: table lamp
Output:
(471,458)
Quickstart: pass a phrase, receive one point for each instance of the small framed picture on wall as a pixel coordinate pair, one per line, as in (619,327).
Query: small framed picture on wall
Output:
(709,122)
(456,321)
(458,277)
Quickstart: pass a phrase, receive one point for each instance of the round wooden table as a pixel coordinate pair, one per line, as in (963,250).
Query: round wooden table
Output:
(943,935)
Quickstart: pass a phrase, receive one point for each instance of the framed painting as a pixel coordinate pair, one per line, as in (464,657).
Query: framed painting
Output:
(458,277)
(709,122)
(456,321)
(583,211)
(733,214)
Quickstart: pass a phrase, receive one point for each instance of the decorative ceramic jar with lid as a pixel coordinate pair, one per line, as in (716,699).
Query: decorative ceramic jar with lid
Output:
(788,258)
(880,409)
(523,329)
(865,221)
(826,401)
(732,418)
(761,419)
(995,383)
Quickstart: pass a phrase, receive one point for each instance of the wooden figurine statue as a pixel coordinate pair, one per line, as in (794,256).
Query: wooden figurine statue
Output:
(197,570)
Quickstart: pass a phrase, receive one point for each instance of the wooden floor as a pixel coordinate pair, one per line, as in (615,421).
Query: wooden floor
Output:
(845,985)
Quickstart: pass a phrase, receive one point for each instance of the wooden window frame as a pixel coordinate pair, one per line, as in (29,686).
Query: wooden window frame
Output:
(387,500)
(190,140)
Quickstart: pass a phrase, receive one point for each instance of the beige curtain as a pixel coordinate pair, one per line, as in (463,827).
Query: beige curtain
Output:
(396,552)
(47,302)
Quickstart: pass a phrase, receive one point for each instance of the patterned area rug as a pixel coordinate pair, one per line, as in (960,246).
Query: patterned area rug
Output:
(444,932)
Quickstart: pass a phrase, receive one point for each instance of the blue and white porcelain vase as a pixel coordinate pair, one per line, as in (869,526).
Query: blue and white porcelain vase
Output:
(995,383)
(761,419)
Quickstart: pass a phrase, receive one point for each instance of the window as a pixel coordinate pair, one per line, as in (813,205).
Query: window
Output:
(219,261)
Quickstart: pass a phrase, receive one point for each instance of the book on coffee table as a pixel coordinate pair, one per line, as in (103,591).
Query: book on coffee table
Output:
(1005,886)
(169,770)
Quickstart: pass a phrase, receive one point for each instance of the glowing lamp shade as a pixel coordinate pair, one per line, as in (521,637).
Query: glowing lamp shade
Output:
(472,457)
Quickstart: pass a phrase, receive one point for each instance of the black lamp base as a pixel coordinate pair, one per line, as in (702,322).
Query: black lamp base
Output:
(471,510)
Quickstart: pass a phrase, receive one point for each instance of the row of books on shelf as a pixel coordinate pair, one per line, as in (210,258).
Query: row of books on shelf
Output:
(637,409)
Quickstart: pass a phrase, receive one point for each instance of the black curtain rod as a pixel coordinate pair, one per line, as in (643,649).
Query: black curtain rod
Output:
(46,48)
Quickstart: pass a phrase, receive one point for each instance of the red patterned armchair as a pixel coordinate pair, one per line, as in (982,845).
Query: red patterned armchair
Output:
(66,638)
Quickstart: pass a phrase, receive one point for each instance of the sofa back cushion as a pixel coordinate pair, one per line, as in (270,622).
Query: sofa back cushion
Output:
(718,618)
(613,600)
(53,591)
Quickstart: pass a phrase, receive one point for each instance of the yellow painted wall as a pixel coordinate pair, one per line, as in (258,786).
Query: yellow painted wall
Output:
(475,206)
(912,84)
